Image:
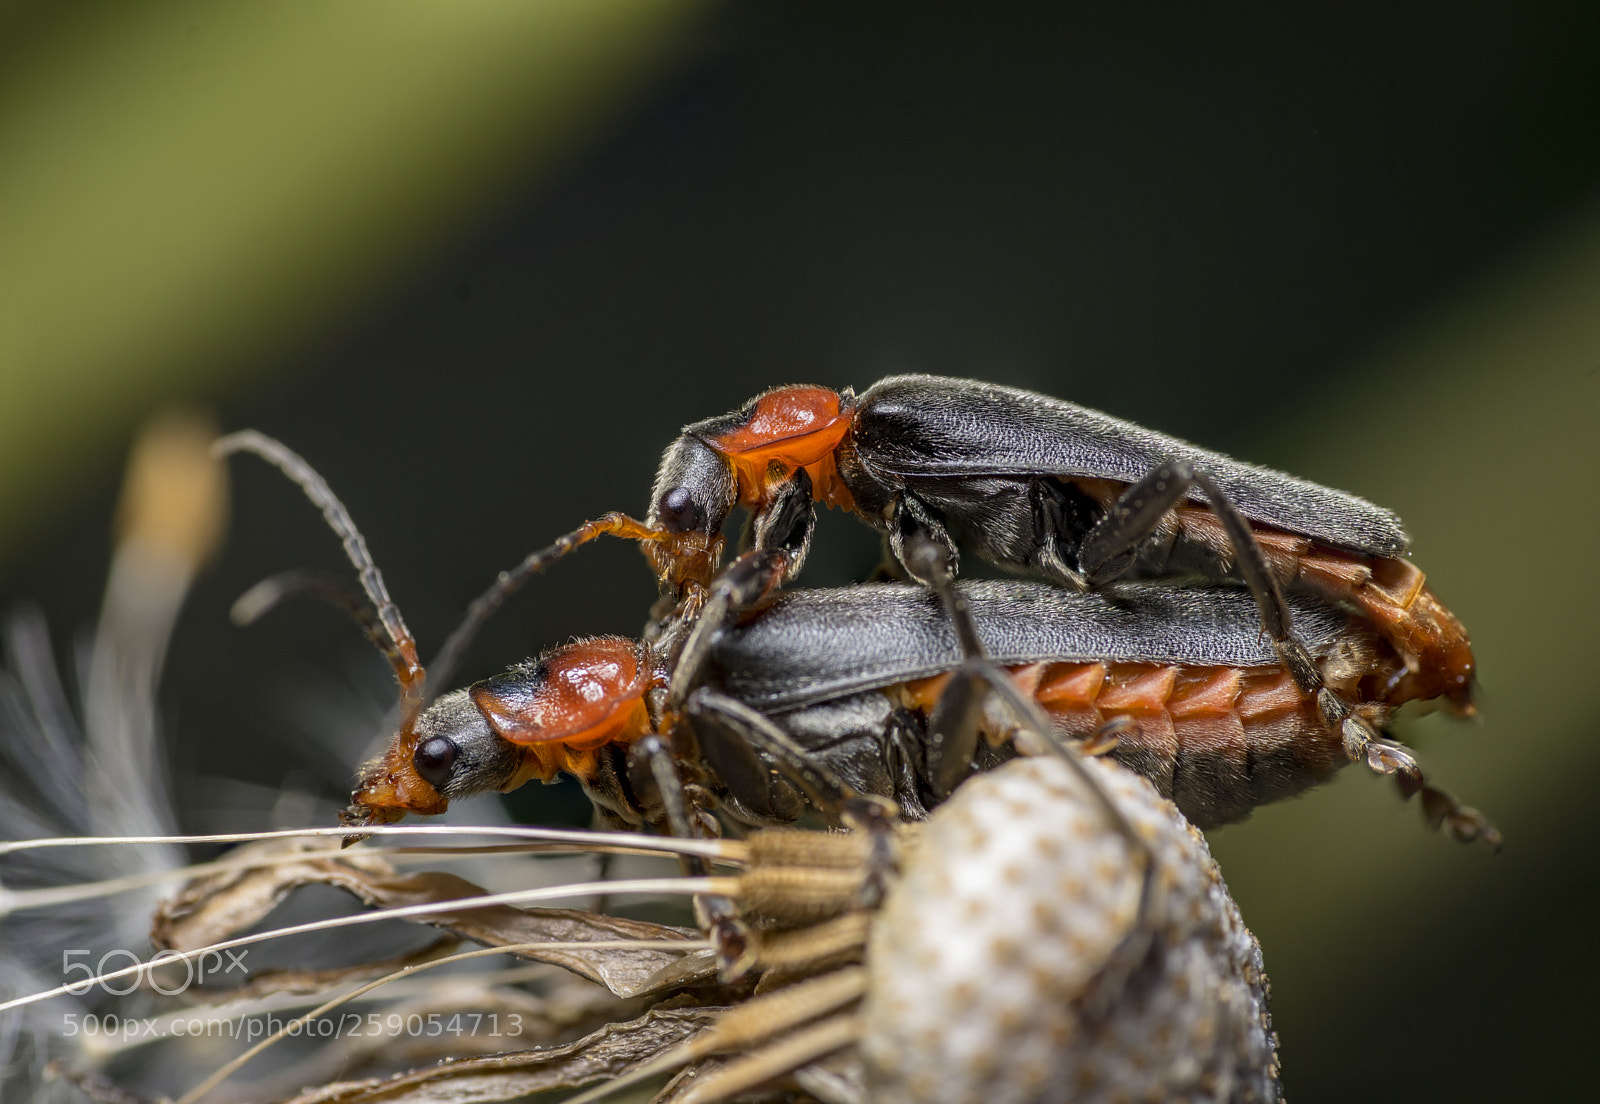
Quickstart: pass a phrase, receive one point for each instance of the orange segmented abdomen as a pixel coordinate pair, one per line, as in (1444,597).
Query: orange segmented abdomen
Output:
(1412,618)
(788,429)
(1393,595)
(1217,740)
(1389,592)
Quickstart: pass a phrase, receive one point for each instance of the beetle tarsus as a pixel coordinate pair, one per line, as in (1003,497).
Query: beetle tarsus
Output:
(1463,823)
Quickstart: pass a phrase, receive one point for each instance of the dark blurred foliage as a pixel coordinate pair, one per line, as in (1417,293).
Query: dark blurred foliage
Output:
(1186,216)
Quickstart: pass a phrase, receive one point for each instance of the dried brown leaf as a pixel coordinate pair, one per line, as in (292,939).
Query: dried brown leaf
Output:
(627,973)
(264,983)
(218,907)
(610,1052)
(577,1009)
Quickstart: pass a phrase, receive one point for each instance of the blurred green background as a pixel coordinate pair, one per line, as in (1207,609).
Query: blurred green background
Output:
(478,261)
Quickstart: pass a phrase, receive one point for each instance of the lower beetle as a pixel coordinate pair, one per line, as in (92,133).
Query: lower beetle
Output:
(1180,676)
(827,693)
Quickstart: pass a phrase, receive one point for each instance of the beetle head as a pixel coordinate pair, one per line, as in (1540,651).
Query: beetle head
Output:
(449,751)
(538,718)
(695,491)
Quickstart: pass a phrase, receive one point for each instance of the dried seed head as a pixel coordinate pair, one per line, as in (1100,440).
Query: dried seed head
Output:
(1009,963)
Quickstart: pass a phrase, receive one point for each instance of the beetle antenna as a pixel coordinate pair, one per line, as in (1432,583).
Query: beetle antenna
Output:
(266,595)
(509,582)
(402,648)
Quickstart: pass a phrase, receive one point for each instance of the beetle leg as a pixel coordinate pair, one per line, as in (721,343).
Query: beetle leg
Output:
(781,536)
(1104,740)
(725,724)
(963,697)
(1060,520)
(787,521)
(902,735)
(921,543)
(1363,743)
(717,915)
(913,525)
(731,734)
(953,728)
(869,742)
(652,753)
(1463,822)
(1108,551)
(978,676)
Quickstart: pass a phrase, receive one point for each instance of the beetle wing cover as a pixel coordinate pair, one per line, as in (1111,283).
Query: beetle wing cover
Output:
(910,427)
(813,645)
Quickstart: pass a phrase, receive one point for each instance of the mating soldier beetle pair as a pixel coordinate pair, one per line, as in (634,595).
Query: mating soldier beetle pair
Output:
(1230,632)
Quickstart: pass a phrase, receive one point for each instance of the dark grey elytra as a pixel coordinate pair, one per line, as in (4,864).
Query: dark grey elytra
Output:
(808,646)
(912,430)
(812,663)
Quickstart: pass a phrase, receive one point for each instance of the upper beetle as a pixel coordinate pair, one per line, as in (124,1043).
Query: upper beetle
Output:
(1045,488)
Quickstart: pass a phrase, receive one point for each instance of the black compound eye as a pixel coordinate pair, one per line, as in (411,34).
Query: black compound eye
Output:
(680,512)
(434,759)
